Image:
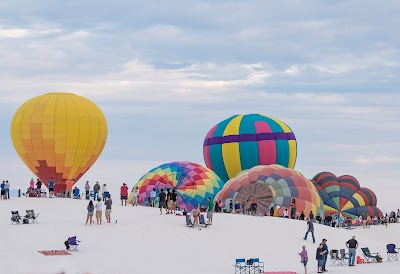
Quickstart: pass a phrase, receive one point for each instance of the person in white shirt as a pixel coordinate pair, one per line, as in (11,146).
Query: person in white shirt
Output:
(135,199)
(99,210)
(152,196)
(104,189)
(285,214)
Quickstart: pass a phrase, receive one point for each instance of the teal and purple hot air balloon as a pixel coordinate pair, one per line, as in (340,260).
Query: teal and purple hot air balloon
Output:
(344,196)
(245,141)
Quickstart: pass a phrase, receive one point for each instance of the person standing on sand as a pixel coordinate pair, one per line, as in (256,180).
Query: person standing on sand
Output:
(304,258)
(32,184)
(96,189)
(108,204)
(161,201)
(173,201)
(7,190)
(90,209)
(51,188)
(124,194)
(209,211)
(99,210)
(87,190)
(319,257)
(2,190)
(310,228)
(152,197)
(352,245)
(293,208)
(135,198)
(325,256)
(39,188)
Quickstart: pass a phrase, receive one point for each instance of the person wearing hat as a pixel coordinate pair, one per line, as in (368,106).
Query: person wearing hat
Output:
(124,194)
(325,256)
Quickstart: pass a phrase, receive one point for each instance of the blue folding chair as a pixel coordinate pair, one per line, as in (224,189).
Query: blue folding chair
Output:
(392,253)
(241,266)
(257,266)
(73,243)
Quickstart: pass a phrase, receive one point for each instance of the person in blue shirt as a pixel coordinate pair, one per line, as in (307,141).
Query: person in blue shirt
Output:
(76,193)
(2,191)
(51,188)
(325,256)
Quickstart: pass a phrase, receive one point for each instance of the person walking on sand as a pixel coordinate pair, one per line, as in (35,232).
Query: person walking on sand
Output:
(310,228)
(108,204)
(352,245)
(124,194)
(90,209)
(304,258)
(99,210)
(209,211)
(162,200)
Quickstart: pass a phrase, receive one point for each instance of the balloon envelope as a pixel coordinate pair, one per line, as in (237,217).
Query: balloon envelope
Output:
(59,135)
(244,141)
(193,183)
(344,196)
(273,186)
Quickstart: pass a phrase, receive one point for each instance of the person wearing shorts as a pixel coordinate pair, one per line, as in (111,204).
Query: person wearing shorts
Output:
(99,210)
(162,201)
(173,201)
(124,194)
(108,204)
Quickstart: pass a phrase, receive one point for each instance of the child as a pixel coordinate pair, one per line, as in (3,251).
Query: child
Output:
(195,215)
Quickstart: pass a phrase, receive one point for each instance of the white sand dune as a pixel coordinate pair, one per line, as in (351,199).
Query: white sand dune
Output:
(144,242)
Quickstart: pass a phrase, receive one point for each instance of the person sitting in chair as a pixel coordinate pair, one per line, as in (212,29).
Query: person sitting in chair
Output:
(76,193)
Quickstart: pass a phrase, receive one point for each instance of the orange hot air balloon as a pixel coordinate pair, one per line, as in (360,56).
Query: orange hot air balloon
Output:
(59,135)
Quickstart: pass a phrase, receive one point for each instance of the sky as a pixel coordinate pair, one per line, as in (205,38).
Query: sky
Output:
(165,73)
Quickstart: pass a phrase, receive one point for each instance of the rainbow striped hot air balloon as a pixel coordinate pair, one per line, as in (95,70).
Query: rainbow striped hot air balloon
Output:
(344,196)
(59,135)
(193,183)
(244,141)
(272,186)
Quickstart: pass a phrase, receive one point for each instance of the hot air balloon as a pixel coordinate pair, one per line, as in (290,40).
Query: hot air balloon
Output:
(59,135)
(272,186)
(244,141)
(344,196)
(193,183)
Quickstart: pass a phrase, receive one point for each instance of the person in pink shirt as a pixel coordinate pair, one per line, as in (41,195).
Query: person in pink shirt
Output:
(124,193)
(304,258)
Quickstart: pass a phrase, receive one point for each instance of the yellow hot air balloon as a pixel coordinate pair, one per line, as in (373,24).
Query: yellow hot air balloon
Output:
(59,135)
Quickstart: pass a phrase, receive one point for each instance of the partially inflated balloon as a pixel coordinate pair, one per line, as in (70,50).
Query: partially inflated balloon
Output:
(272,186)
(59,135)
(193,184)
(244,141)
(344,196)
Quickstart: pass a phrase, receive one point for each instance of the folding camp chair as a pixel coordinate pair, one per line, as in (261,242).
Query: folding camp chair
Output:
(189,221)
(202,221)
(15,217)
(370,257)
(344,256)
(31,216)
(257,266)
(73,243)
(241,266)
(335,259)
(392,253)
